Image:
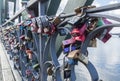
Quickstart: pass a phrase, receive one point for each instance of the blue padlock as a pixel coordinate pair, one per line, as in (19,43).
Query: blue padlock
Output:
(67,49)
(72,61)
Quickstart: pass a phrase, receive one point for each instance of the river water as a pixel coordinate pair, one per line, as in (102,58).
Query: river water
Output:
(106,59)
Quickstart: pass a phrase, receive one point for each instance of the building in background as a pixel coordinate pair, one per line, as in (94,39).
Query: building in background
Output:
(8,8)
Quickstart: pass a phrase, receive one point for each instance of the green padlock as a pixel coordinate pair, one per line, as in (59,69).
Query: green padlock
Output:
(100,22)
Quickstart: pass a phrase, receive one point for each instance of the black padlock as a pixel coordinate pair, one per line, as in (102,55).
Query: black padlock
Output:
(67,73)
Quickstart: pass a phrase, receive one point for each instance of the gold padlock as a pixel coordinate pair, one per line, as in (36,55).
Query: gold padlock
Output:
(74,54)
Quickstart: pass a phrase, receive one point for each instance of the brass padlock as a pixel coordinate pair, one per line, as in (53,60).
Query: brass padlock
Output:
(74,54)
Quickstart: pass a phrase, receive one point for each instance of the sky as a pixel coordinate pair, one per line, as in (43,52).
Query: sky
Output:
(99,3)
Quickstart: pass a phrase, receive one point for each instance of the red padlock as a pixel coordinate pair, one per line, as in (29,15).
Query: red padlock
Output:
(79,33)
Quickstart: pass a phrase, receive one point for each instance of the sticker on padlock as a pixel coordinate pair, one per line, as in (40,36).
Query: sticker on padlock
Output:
(68,49)
(68,42)
(83,58)
(67,73)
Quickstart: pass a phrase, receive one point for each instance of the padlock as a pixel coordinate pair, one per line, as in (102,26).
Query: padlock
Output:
(29,35)
(77,20)
(68,49)
(83,58)
(72,61)
(28,72)
(29,53)
(22,37)
(93,43)
(92,23)
(35,74)
(104,35)
(79,33)
(34,26)
(68,42)
(100,22)
(36,66)
(67,73)
(56,21)
(74,54)
(49,71)
(62,32)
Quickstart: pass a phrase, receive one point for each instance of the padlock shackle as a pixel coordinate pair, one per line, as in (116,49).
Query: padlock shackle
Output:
(92,35)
